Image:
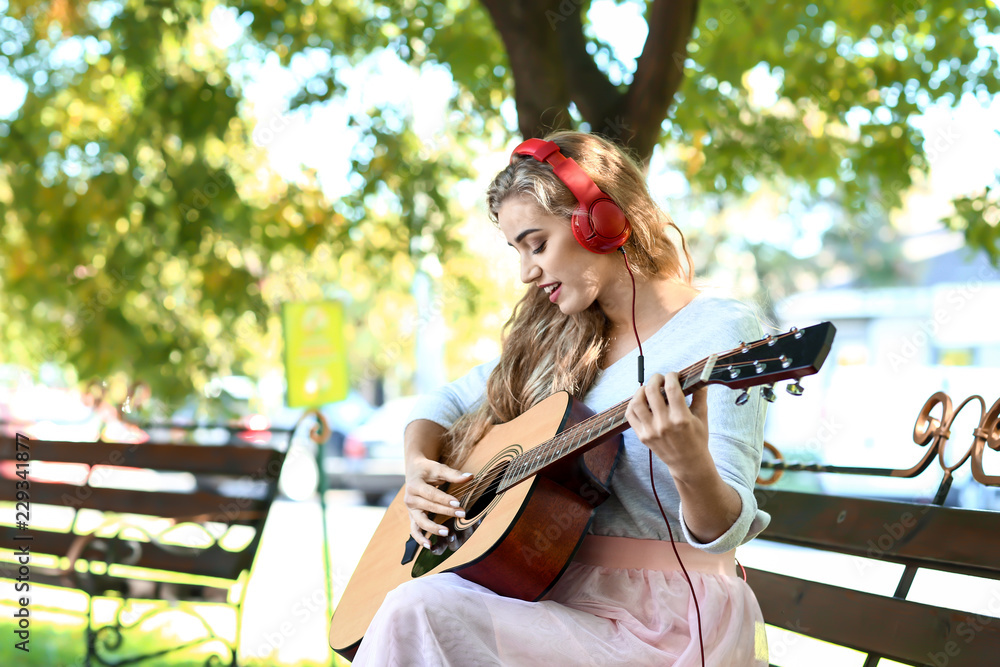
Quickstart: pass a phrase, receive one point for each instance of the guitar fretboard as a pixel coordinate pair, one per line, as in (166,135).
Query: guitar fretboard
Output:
(775,364)
(591,430)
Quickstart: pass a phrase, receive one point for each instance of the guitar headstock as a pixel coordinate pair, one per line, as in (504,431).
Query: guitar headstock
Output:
(773,358)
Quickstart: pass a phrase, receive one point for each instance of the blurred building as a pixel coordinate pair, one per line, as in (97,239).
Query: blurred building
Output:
(950,317)
(895,347)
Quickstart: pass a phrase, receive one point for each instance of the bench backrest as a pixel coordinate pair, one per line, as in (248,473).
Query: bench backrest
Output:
(918,536)
(255,469)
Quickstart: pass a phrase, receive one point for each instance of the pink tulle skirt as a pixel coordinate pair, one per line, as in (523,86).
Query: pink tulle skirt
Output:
(620,602)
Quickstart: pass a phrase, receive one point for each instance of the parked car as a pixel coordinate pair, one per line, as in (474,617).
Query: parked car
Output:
(227,413)
(373,454)
(42,412)
(53,413)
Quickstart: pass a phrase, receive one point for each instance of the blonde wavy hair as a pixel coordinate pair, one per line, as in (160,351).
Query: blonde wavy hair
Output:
(543,350)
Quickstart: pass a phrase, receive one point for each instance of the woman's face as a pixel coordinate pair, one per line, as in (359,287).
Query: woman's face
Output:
(551,258)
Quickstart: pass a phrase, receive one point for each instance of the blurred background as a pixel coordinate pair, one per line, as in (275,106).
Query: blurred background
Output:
(173,172)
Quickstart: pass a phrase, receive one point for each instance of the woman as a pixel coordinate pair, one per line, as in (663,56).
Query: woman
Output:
(623,600)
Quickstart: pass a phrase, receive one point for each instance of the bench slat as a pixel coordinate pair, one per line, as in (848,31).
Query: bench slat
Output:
(127,501)
(259,463)
(954,540)
(103,583)
(213,561)
(902,630)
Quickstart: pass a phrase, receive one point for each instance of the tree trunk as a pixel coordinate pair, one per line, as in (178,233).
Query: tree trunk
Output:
(552,69)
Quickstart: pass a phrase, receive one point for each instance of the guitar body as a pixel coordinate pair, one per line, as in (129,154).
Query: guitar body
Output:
(516,542)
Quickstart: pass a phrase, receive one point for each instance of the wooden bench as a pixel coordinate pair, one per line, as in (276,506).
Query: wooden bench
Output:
(125,535)
(919,536)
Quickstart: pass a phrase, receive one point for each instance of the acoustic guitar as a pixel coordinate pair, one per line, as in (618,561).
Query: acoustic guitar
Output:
(537,480)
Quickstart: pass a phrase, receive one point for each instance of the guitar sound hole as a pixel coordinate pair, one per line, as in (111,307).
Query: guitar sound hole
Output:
(476,501)
(483,492)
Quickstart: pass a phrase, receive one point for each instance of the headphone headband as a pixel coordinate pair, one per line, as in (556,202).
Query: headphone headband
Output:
(598,223)
(567,169)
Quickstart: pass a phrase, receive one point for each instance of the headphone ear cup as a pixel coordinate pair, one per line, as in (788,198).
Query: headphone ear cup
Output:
(583,231)
(598,223)
(602,229)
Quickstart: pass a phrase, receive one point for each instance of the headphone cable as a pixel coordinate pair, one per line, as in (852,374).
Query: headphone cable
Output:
(652,480)
(634,329)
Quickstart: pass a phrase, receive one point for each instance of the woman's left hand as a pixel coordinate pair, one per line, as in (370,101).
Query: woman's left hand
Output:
(676,433)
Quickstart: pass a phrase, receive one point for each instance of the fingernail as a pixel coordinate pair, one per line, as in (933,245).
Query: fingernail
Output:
(427,545)
(455,503)
(460,513)
(444,531)
(466,474)
(451,538)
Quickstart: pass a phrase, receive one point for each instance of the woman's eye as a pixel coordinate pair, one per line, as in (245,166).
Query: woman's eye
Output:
(541,247)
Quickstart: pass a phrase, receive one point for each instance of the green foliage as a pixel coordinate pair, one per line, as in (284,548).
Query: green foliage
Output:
(884,62)
(852,78)
(979,217)
(145,234)
(138,236)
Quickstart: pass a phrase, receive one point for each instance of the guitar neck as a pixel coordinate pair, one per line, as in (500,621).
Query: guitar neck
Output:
(794,354)
(591,431)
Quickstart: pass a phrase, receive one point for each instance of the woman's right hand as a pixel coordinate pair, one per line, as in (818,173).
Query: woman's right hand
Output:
(423,498)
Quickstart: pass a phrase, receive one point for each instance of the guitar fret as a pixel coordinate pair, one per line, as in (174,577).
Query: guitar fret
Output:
(576,445)
(551,452)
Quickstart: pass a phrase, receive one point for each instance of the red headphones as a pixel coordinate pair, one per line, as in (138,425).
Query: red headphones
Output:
(598,223)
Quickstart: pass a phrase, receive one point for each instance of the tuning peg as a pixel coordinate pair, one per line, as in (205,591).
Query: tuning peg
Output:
(795,389)
(743,397)
(767,393)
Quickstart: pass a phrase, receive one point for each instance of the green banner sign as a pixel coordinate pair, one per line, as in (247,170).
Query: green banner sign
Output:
(315,358)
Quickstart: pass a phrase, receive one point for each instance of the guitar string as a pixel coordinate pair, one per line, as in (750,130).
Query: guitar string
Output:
(492,480)
(615,412)
(555,445)
(610,415)
(568,434)
(587,423)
